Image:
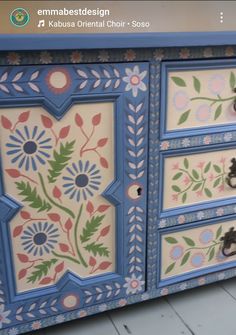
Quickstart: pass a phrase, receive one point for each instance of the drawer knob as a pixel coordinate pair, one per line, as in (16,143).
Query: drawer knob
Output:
(228,239)
(232,174)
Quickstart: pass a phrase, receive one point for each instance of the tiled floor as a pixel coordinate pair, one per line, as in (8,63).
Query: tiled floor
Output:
(208,310)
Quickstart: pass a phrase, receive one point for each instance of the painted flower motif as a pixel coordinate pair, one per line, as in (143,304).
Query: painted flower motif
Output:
(76,57)
(175,197)
(39,238)
(164,291)
(158,54)
(216,84)
(202,281)
(13,331)
(175,166)
(130,55)
(181,219)
(199,194)
(176,252)
(229,51)
(185,142)
(207,52)
(203,113)
(60,318)
(29,148)
(13,58)
(165,145)
(180,100)
(221,188)
(133,284)
(197,259)
(207,140)
(200,215)
(45,57)
(58,80)
(221,276)
(103,56)
(36,325)
(83,180)
(184,53)
(102,307)
(122,302)
(82,313)
(186,180)
(134,80)
(220,257)
(211,177)
(162,223)
(206,236)
(220,211)
(200,165)
(3,316)
(183,286)
(145,296)
(228,137)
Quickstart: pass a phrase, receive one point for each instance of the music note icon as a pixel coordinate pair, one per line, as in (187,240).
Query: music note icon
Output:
(41,23)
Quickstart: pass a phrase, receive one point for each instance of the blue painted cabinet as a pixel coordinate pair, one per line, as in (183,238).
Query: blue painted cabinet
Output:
(115,178)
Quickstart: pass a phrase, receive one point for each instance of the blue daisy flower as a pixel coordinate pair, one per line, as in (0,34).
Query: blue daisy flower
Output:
(39,238)
(84,178)
(29,148)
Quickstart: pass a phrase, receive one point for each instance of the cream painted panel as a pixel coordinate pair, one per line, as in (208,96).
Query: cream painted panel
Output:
(200,98)
(194,249)
(55,228)
(196,178)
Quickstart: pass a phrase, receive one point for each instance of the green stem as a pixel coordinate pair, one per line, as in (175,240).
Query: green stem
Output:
(186,189)
(66,257)
(202,248)
(215,100)
(67,210)
(76,239)
(190,176)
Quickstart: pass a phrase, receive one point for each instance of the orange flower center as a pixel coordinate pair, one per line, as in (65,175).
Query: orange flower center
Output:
(135,80)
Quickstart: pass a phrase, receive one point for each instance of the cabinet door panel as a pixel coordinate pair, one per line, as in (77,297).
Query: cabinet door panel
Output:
(73,204)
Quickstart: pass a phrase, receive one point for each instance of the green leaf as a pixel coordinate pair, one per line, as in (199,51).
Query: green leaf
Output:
(177,175)
(195,174)
(186,163)
(176,188)
(91,227)
(207,167)
(60,160)
(97,249)
(170,268)
(41,270)
(232,80)
(179,81)
(184,197)
(196,84)
(218,232)
(171,240)
(184,117)
(218,112)
(212,254)
(197,186)
(189,241)
(30,195)
(185,258)
(216,182)
(217,168)
(208,192)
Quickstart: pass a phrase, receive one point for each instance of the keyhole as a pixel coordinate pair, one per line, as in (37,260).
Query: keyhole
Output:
(139,191)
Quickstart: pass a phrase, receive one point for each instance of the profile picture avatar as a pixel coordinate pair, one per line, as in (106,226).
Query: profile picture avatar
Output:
(19,17)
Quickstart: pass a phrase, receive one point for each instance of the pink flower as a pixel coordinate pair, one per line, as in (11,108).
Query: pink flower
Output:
(221,188)
(202,281)
(200,165)
(175,166)
(76,57)
(220,211)
(122,302)
(36,325)
(82,314)
(186,180)
(164,145)
(164,291)
(158,54)
(207,140)
(199,193)
(181,219)
(211,177)
(175,197)
(216,84)
(130,55)
(223,159)
(184,53)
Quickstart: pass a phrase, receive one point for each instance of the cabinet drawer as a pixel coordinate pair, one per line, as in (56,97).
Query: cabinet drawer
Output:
(190,180)
(191,252)
(198,94)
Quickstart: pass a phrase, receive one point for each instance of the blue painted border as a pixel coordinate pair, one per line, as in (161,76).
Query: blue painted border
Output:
(191,65)
(114,40)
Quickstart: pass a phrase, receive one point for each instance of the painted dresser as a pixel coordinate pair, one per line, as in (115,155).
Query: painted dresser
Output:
(117,172)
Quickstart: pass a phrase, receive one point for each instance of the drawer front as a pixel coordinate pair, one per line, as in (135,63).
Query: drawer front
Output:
(198,95)
(193,179)
(190,251)
(73,193)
